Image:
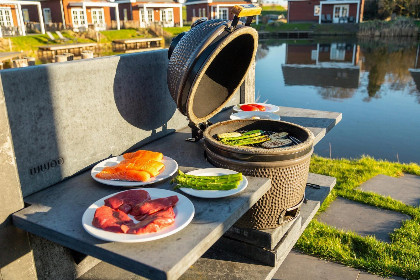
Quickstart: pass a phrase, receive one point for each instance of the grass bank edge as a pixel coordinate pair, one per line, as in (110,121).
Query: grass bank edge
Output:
(401,257)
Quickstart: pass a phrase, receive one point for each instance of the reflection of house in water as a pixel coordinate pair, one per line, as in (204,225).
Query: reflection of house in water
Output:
(332,65)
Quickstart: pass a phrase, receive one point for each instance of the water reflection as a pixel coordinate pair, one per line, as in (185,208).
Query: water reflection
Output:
(338,65)
(333,67)
(374,83)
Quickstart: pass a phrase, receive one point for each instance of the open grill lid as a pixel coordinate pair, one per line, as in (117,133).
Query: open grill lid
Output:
(208,64)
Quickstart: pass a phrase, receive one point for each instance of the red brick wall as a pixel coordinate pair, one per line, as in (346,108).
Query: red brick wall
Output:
(302,11)
(177,18)
(353,10)
(156,14)
(328,10)
(196,7)
(136,13)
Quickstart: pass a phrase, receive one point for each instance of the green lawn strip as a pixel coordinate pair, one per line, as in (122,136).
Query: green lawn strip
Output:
(109,35)
(273,8)
(174,31)
(28,43)
(279,26)
(401,257)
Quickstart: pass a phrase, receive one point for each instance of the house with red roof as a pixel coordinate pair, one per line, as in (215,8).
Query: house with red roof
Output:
(327,11)
(80,15)
(167,13)
(212,9)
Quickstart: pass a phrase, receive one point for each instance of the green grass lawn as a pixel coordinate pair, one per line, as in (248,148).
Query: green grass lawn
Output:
(109,35)
(173,31)
(401,257)
(279,26)
(273,8)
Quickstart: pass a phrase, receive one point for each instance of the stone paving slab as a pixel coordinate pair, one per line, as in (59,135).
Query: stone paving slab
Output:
(299,266)
(362,219)
(405,189)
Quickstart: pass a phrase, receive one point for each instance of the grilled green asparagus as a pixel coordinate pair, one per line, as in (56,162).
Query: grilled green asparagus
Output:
(223,182)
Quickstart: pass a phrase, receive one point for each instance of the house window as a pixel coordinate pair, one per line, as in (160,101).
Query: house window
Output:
(125,15)
(316,10)
(204,12)
(193,12)
(224,13)
(6,17)
(25,15)
(199,12)
(98,16)
(150,16)
(78,17)
(167,15)
(47,15)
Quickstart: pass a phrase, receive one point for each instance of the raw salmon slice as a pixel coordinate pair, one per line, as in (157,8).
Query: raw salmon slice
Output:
(145,155)
(152,166)
(125,175)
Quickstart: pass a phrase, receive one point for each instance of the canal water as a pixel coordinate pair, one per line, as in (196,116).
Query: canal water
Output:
(375,84)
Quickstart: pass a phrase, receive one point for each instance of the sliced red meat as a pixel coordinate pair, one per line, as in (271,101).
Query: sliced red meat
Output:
(109,219)
(125,201)
(152,223)
(151,206)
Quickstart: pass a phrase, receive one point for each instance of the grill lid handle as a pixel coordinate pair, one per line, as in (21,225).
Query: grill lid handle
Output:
(248,11)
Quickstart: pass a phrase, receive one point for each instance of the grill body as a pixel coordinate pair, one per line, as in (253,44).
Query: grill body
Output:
(288,169)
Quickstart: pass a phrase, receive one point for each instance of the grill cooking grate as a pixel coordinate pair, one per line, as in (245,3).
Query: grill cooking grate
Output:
(294,140)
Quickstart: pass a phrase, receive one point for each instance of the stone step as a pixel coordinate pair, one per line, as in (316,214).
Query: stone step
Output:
(405,189)
(361,218)
(315,268)
(269,238)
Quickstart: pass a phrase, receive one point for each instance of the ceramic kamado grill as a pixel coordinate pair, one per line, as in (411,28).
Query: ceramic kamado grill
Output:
(207,65)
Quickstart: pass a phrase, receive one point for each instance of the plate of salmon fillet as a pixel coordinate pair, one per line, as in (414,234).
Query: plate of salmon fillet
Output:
(138,215)
(134,169)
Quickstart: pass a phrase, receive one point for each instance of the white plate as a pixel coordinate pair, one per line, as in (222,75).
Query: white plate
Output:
(171,166)
(254,114)
(268,107)
(214,194)
(184,213)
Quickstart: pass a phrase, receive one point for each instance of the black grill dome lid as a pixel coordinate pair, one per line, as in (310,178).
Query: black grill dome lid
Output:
(208,63)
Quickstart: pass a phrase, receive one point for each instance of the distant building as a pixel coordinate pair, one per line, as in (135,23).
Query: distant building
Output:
(167,13)
(212,9)
(328,11)
(79,15)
